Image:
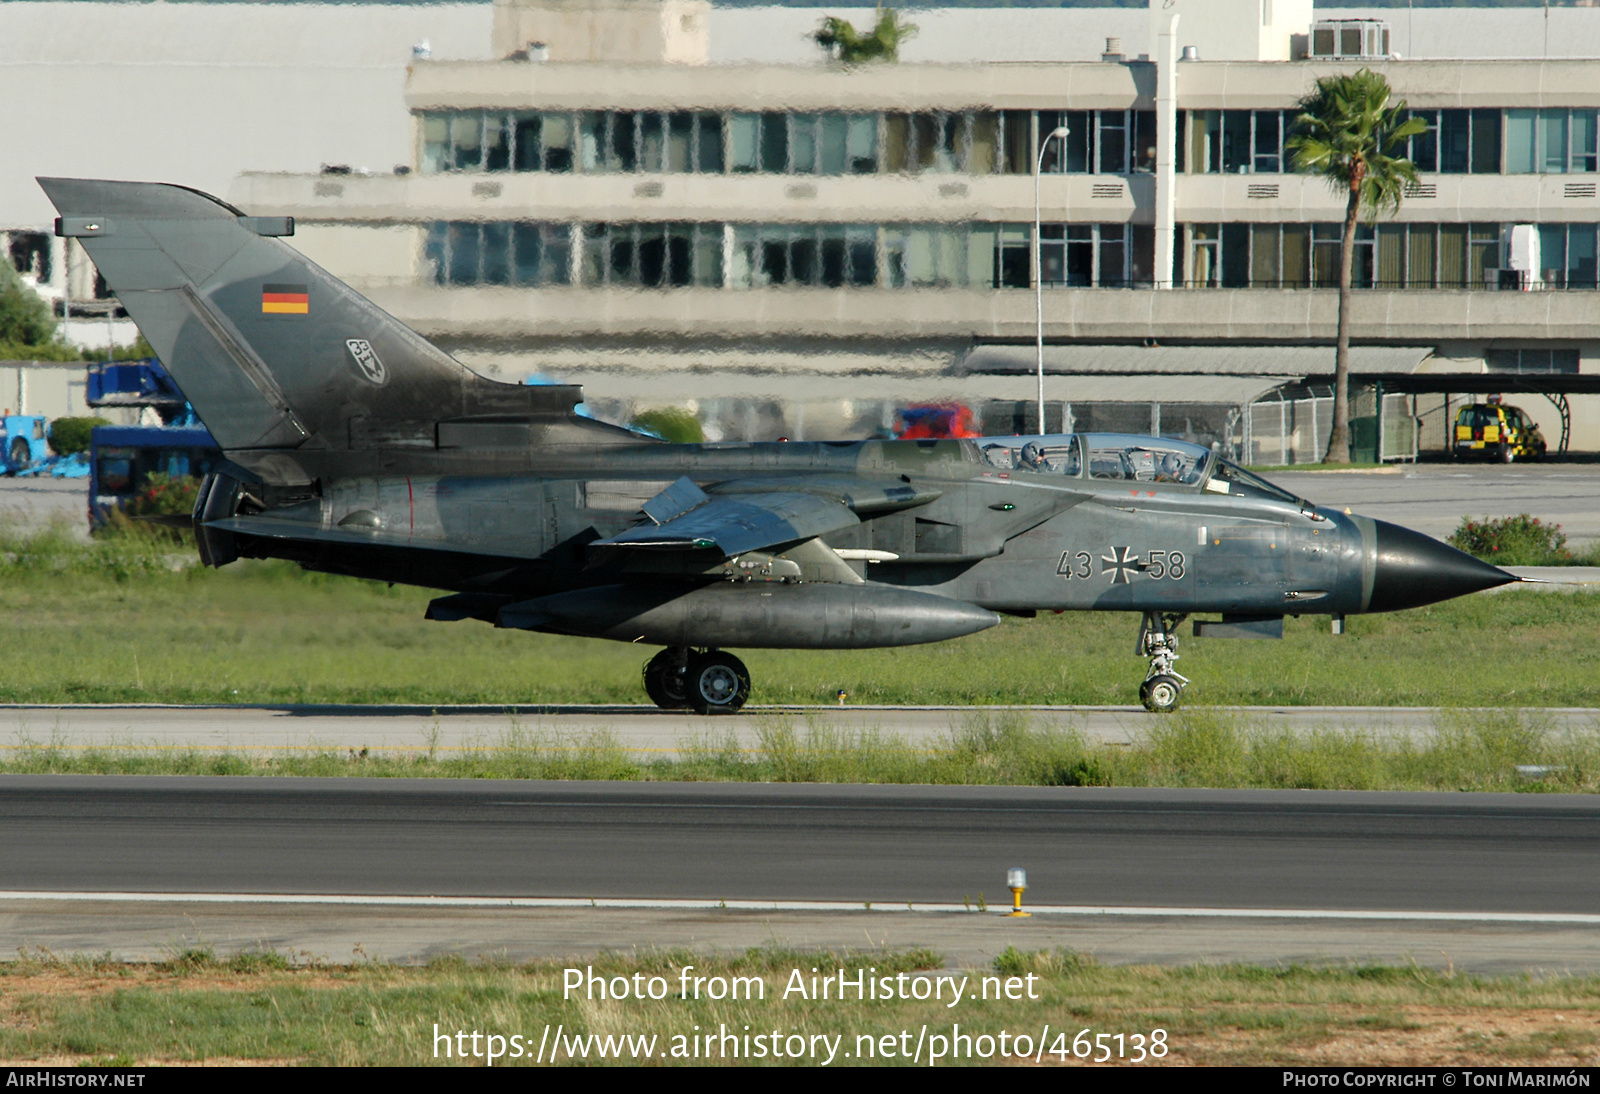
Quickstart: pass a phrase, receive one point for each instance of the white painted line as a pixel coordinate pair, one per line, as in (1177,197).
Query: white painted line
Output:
(646,903)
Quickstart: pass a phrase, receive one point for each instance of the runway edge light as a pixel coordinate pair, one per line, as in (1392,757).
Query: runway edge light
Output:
(1016,881)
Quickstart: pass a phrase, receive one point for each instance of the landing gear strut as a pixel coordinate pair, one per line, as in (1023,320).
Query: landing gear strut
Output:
(1158,640)
(706,681)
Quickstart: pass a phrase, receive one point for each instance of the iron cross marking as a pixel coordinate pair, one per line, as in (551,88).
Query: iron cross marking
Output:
(1123,561)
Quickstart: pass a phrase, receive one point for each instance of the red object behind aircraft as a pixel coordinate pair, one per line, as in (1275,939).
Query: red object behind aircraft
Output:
(937,421)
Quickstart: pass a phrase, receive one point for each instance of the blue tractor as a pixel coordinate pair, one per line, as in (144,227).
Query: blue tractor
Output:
(26,442)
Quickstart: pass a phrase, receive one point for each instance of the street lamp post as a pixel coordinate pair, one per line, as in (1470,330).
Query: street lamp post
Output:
(1059,132)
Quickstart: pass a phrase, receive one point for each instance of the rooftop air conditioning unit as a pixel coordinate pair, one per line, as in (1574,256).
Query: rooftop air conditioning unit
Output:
(1350,39)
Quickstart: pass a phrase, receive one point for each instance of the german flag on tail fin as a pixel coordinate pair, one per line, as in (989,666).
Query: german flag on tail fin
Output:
(285,300)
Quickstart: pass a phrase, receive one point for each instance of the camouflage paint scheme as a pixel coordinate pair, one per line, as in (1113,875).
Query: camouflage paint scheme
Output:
(357,447)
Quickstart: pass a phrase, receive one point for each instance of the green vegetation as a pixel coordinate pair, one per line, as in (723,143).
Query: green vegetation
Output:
(266,1007)
(28,329)
(882,43)
(70,435)
(25,319)
(1521,540)
(132,619)
(1467,750)
(670,423)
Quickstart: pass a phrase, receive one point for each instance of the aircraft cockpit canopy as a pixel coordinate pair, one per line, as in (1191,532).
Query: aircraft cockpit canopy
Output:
(1104,455)
(1230,478)
(1130,458)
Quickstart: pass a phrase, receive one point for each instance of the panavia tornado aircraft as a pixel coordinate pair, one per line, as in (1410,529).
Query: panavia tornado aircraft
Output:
(354,446)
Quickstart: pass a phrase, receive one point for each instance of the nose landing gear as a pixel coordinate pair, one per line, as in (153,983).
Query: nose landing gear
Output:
(1158,640)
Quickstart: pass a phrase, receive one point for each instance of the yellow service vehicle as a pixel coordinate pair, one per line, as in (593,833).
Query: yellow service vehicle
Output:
(1500,432)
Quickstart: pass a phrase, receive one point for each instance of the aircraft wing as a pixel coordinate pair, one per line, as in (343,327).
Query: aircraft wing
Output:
(733,524)
(301,531)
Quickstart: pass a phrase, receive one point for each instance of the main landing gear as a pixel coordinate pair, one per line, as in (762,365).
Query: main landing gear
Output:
(705,681)
(1158,640)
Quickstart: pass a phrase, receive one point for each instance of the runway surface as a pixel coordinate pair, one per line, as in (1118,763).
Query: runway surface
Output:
(1491,882)
(887,844)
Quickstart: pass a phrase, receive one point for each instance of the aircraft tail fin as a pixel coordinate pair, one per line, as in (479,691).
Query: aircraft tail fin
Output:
(274,353)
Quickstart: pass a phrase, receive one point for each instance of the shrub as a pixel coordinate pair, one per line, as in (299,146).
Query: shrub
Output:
(670,423)
(165,495)
(1521,540)
(70,435)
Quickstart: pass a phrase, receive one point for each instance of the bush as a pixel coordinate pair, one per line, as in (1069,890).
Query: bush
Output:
(1512,541)
(670,423)
(165,495)
(25,319)
(162,495)
(70,435)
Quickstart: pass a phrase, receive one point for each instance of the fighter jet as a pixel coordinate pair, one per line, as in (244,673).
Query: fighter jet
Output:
(354,446)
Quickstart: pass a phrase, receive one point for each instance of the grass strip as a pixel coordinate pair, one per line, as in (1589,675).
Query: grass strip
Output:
(268,1007)
(1467,750)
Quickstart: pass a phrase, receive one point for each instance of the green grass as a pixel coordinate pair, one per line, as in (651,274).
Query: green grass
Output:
(1467,750)
(262,1007)
(112,622)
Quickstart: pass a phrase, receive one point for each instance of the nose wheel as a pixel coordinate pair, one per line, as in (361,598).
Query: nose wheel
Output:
(1163,684)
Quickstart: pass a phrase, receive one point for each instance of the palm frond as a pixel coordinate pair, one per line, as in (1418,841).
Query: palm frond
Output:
(1349,132)
(882,43)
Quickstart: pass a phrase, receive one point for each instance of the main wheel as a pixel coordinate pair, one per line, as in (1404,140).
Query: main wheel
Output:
(718,683)
(21,457)
(1160,694)
(1505,453)
(666,681)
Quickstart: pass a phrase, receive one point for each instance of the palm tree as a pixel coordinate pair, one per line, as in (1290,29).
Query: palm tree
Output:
(883,44)
(1348,132)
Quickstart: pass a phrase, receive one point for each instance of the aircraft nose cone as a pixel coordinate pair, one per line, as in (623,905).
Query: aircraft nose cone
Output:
(1413,569)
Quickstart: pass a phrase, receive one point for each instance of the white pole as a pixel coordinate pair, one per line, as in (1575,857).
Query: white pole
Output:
(1061,132)
(1167,137)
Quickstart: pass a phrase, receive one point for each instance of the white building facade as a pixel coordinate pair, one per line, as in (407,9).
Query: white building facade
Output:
(671,202)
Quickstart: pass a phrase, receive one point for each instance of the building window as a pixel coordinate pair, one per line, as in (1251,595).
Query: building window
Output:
(1013,264)
(1550,141)
(944,143)
(1237,256)
(1390,256)
(598,141)
(832,144)
(1567,256)
(518,253)
(1083,255)
(826,255)
(1234,142)
(1469,142)
(1531,360)
(652,256)
(1099,142)
(1458,142)
(978,142)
